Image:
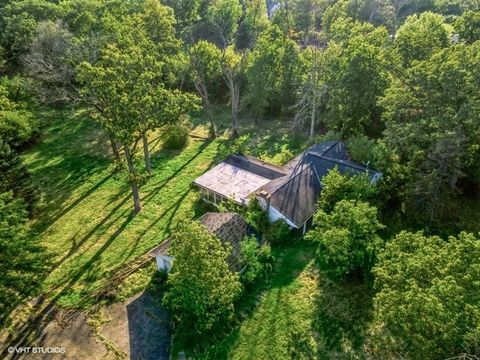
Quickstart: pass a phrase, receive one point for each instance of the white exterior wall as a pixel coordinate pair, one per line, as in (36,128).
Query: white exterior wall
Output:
(164,262)
(274,215)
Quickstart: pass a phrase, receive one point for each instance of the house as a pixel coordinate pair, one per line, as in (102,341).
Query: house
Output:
(272,7)
(230,228)
(288,192)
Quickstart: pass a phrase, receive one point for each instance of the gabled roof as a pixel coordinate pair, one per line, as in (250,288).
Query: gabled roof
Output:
(230,228)
(295,195)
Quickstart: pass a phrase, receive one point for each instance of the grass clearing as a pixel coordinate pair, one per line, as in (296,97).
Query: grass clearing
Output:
(86,223)
(299,314)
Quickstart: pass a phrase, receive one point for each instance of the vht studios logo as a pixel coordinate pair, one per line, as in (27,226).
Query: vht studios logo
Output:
(36,350)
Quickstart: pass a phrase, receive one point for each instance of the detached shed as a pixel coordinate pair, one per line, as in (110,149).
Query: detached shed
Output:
(230,228)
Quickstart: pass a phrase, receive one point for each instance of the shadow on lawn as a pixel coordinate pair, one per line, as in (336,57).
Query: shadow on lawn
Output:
(343,314)
(44,309)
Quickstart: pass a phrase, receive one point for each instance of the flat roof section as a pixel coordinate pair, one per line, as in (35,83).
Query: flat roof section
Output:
(231,182)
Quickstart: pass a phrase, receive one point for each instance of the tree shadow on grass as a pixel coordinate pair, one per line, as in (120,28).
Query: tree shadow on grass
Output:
(291,260)
(44,309)
(342,316)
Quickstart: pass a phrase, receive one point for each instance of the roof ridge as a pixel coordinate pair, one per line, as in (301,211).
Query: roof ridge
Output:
(291,178)
(340,161)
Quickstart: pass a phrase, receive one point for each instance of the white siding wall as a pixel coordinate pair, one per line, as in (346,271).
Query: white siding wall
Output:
(164,262)
(274,215)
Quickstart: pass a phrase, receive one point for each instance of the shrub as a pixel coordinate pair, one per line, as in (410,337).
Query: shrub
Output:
(258,260)
(279,232)
(17,127)
(176,136)
(337,187)
(256,217)
(347,238)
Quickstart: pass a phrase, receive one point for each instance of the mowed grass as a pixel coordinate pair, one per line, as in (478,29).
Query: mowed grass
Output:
(299,314)
(85,223)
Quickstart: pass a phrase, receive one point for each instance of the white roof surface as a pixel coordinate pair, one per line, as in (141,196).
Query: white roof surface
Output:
(230,181)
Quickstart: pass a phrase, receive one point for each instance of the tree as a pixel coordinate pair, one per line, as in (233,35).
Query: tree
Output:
(254,22)
(51,61)
(313,92)
(468,26)
(347,238)
(431,127)
(18,24)
(233,65)
(206,69)
(21,259)
(224,17)
(186,11)
(201,289)
(420,37)
(427,305)
(337,187)
(130,86)
(273,72)
(355,74)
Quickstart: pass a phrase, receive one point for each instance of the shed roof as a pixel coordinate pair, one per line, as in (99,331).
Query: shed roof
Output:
(230,228)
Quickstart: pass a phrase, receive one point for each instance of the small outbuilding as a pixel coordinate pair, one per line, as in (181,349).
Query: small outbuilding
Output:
(230,228)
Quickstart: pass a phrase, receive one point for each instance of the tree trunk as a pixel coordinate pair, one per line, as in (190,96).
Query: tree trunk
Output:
(115,151)
(210,118)
(234,92)
(312,123)
(146,154)
(137,207)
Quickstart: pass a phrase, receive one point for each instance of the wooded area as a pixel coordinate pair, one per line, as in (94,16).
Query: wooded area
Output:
(90,88)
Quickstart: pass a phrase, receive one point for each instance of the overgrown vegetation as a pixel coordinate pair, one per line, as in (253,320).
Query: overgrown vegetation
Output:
(396,80)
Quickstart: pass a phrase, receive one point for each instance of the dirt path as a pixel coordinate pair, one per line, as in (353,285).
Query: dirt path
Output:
(134,329)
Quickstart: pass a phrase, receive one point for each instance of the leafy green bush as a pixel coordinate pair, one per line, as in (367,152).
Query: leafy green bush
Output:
(347,238)
(17,127)
(258,260)
(279,232)
(256,217)
(176,136)
(337,187)
(361,148)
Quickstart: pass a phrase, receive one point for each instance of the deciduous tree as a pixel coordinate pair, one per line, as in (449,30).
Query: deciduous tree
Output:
(428,303)
(201,288)
(347,238)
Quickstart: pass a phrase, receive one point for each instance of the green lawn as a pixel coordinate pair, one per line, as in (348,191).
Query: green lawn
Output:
(87,228)
(299,314)
(85,221)
(86,224)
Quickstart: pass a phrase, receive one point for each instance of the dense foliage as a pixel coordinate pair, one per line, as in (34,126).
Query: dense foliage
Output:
(428,303)
(347,238)
(397,80)
(201,288)
(21,260)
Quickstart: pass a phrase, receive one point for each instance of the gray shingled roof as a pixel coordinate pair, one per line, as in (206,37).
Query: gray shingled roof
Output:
(295,196)
(230,228)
